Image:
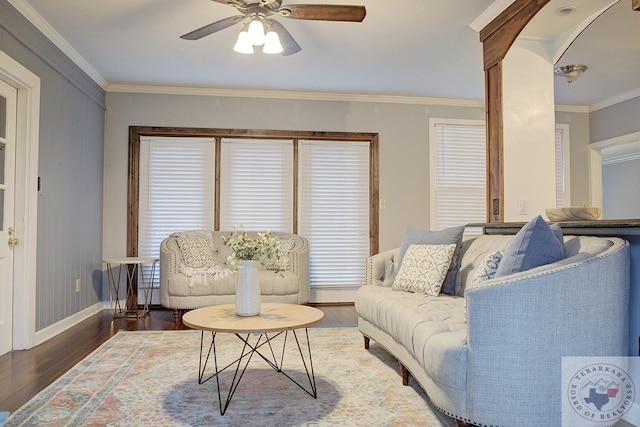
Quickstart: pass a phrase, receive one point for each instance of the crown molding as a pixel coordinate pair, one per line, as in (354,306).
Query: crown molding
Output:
(308,96)
(624,148)
(615,100)
(620,159)
(617,140)
(490,14)
(49,32)
(572,108)
(478,24)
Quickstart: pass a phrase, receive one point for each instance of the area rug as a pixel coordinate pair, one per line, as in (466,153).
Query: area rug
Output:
(151,379)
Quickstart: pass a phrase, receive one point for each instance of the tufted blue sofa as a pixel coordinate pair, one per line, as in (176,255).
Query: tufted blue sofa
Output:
(496,360)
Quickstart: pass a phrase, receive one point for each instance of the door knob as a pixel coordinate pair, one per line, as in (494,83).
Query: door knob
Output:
(12,237)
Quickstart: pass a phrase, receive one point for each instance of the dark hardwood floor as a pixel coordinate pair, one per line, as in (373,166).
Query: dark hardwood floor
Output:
(25,373)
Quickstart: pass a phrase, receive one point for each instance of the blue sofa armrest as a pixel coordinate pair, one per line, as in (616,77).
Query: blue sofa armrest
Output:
(520,326)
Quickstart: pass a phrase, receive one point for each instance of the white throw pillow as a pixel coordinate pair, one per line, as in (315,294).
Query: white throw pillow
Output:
(424,268)
(196,251)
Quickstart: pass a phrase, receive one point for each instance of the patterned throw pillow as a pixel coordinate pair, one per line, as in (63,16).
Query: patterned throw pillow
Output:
(197,252)
(283,262)
(452,235)
(424,268)
(487,270)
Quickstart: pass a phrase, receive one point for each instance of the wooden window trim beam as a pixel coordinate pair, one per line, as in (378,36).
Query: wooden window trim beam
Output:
(136,132)
(497,38)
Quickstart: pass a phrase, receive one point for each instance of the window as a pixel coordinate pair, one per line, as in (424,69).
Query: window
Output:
(334,210)
(563,195)
(320,185)
(458,173)
(256,185)
(176,191)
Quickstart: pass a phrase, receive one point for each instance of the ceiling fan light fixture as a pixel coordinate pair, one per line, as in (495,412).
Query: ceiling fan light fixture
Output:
(256,32)
(254,14)
(243,44)
(569,73)
(272,43)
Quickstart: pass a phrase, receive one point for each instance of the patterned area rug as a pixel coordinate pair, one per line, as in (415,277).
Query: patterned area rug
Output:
(151,379)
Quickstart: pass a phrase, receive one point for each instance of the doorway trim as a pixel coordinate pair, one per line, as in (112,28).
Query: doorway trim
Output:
(26,200)
(595,163)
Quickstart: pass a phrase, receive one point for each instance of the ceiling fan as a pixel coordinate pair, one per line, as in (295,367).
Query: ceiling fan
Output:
(261,11)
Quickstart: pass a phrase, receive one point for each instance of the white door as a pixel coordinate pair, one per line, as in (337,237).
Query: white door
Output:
(8,110)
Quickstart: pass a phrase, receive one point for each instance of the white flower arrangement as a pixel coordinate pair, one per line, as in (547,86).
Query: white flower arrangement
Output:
(264,247)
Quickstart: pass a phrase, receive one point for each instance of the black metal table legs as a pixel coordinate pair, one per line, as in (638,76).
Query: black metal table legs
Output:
(248,351)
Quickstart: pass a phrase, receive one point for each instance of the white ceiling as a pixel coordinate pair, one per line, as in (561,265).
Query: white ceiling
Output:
(422,48)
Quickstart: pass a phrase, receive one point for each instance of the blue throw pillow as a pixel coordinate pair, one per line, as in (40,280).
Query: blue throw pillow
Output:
(453,235)
(558,232)
(535,244)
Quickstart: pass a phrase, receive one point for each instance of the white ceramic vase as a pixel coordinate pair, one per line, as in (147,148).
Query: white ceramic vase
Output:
(248,289)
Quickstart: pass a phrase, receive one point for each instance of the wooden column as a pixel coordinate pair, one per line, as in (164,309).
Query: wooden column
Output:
(497,38)
(495,163)
(132,215)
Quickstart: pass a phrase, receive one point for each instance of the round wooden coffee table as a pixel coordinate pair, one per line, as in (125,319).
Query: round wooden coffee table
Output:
(273,321)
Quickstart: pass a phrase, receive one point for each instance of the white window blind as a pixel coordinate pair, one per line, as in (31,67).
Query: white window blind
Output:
(562,168)
(458,175)
(334,210)
(256,181)
(176,186)
(256,185)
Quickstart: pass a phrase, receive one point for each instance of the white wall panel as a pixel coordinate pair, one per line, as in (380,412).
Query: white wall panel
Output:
(528,132)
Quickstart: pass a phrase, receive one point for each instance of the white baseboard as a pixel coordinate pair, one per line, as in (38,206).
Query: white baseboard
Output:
(61,326)
(633,416)
(328,294)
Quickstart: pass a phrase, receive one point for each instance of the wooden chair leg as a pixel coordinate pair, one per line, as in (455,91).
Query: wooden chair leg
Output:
(176,316)
(404,373)
(463,424)
(366,342)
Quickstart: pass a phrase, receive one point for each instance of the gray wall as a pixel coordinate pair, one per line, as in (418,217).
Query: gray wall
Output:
(70,167)
(403,129)
(616,120)
(621,199)
(404,149)
(71,241)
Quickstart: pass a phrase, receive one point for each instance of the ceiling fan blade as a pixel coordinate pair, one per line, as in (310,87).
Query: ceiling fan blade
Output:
(289,45)
(212,28)
(324,12)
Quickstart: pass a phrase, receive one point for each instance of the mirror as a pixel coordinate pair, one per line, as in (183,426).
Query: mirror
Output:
(609,88)
(604,103)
